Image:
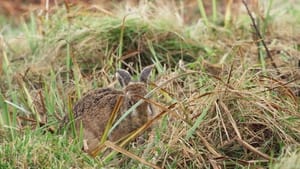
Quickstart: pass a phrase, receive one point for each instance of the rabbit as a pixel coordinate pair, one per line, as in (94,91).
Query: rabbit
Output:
(93,110)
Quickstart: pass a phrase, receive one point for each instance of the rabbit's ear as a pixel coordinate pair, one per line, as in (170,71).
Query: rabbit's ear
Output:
(145,73)
(123,76)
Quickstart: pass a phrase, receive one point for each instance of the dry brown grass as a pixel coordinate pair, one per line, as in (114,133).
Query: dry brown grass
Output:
(219,104)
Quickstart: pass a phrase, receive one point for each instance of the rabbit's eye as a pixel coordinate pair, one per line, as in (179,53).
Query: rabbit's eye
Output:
(131,103)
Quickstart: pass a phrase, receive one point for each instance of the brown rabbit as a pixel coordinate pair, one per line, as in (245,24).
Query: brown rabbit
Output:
(93,110)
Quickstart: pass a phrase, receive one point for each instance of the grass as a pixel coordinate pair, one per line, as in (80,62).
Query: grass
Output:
(221,102)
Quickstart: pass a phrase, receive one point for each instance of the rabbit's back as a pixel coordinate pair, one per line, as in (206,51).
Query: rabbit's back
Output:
(93,110)
(94,101)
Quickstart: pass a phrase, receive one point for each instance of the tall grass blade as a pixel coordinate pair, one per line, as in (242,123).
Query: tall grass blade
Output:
(214,11)
(227,18)
(112,118)
(192,130)
(202,12)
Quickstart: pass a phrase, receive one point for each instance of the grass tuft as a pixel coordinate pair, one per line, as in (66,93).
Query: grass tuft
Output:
(218,104)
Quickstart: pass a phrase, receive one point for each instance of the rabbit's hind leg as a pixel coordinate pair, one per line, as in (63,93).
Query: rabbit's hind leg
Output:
(90,141)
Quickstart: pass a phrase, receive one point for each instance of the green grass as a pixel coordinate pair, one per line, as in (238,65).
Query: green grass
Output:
(232,109)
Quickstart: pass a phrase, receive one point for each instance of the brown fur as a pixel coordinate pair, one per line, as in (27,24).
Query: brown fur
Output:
(93,110)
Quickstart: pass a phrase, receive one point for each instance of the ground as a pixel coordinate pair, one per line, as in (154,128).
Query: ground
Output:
(225,83)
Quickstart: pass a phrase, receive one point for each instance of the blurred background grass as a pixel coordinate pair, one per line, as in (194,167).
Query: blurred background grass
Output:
(234,110)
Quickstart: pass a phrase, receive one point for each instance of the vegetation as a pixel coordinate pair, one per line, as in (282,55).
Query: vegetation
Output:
(224,100)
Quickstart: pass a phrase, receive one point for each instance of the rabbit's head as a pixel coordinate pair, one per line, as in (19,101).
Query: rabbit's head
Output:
(134,91)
